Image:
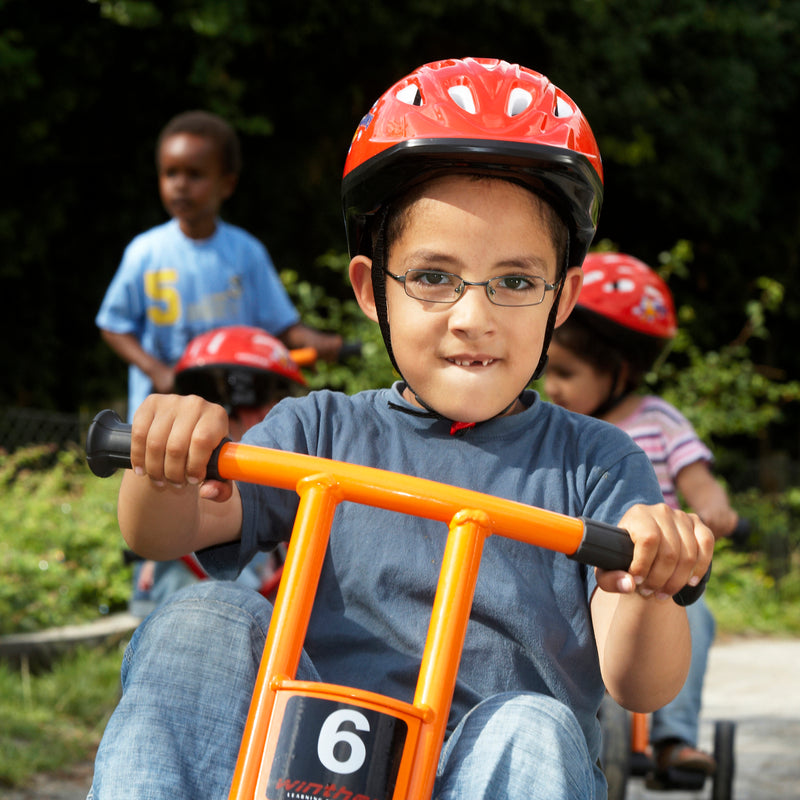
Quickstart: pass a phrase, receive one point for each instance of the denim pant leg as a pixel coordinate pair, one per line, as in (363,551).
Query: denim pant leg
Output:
(518,747)
(680,719)
(187,679)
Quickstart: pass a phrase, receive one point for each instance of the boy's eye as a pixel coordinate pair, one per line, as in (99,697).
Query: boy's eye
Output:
(428,278)
(516,283)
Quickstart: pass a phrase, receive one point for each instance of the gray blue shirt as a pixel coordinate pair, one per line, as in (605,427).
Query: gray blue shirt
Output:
(530,628)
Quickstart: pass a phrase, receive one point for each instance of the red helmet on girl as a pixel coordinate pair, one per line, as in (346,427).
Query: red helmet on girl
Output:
(472,116)
(628,303)
(237,366)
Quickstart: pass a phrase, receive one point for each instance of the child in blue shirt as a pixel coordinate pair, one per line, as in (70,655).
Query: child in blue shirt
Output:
(196,272)
(471,193)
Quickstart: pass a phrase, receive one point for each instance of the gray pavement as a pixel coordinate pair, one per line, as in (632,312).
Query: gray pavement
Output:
(754,682)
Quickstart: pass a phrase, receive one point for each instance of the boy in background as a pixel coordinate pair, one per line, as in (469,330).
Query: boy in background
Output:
(196,272)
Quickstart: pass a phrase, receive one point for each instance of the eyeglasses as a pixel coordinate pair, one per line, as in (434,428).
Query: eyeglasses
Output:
(433,286)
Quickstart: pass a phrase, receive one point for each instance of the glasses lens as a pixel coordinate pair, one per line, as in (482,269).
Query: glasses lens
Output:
(517,290)
(435,287)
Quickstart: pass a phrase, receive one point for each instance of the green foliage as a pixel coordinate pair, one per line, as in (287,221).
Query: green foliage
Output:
(338,311)
(60,548)
(54,719)
(723,392)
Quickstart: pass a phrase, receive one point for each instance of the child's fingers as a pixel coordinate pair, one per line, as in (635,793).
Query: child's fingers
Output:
(615,581)
(173,438)
(671,549)
(208,432)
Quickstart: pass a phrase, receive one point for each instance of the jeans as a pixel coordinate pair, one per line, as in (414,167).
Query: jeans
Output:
(187,677)
(680,718)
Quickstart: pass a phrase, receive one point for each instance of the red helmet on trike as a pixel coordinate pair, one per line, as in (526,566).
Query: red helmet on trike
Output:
(237,366)
(476,115)
(629,304)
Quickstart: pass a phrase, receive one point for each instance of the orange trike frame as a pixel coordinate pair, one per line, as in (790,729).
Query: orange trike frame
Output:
(322,484)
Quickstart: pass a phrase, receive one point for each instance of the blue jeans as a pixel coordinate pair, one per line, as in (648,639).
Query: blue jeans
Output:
(187,677)
(680,718)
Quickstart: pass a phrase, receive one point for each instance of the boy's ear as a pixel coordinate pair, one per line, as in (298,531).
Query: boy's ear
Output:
(573,281)
(361,281)
(229,182)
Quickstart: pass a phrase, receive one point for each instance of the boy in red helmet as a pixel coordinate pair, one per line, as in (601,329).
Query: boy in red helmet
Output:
(471,194)
(621,327)
(246,371)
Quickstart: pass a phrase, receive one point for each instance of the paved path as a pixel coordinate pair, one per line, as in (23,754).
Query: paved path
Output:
(755,682)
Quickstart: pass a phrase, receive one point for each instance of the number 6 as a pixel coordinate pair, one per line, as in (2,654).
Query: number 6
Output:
(331,734)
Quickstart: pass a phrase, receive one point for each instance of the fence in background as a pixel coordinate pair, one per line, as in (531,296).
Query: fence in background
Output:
(22,427)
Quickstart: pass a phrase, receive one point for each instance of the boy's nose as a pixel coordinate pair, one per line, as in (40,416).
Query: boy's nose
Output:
(473,311)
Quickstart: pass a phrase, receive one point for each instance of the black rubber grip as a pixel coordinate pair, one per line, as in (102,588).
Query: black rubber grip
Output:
(609,547)
(108,446)
(349,350)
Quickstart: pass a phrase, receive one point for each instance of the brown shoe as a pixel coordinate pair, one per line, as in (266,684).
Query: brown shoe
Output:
(684,757)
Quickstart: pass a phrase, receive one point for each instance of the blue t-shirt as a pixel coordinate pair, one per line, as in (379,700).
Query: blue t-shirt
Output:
(530,628)
(170,288)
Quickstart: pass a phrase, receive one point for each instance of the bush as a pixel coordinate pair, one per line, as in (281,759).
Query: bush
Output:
(60,547)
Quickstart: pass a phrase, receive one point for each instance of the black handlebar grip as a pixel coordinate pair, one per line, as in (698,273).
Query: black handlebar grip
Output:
(108,446)
(609,547)
(349,350)
(689,594)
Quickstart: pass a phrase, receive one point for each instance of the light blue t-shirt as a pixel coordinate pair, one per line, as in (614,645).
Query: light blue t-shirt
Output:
(170,288)
(530,628)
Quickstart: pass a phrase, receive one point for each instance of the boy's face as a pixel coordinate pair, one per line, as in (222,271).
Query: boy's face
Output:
(574,383)
(192,183)
(469,360)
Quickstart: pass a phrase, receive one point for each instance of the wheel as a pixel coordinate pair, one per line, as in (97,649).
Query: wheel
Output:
(722,788)
(615,724)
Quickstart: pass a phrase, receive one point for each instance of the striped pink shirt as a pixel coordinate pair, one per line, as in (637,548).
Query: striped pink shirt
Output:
(668,439)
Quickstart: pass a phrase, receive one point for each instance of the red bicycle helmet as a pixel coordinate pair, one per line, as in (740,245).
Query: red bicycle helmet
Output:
(237,366)
(475,115)
(627,293)
(628,303)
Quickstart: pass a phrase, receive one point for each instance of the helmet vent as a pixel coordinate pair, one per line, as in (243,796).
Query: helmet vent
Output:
(563,108)
(463,98)
(410,95)
(518,101)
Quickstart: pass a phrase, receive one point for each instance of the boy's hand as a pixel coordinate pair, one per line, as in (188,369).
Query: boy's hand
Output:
(671,549)
(172,439)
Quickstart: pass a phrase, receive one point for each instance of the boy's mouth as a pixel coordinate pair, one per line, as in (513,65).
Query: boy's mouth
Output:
(471,362)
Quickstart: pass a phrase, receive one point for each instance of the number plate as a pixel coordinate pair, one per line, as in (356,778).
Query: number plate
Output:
(335,750)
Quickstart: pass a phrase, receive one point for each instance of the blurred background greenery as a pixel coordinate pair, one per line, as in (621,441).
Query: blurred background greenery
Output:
(693,103)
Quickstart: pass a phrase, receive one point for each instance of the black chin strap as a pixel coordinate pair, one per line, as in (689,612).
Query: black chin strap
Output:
(609,404)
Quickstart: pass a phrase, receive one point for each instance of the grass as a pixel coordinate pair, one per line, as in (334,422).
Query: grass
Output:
(747,600)
(55,718)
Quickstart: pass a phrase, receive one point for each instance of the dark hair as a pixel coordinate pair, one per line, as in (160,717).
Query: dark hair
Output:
(398,216)
(591,344)
(211,126)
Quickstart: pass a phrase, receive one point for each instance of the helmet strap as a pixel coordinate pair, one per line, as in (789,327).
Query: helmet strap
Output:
(379,263)
(551,319)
